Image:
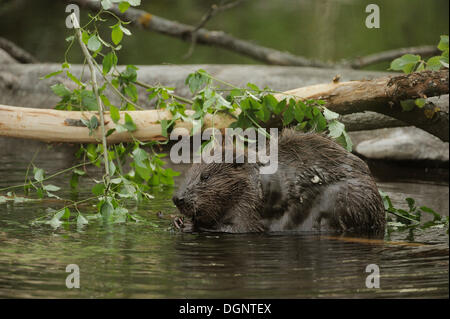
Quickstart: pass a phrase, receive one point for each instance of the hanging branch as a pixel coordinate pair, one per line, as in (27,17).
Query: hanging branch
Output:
(184,32)
(90,61)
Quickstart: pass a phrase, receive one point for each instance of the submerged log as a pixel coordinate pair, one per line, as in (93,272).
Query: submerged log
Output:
(381,95)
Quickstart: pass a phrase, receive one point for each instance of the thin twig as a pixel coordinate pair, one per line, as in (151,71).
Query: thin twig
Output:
(213,11)
(390,55)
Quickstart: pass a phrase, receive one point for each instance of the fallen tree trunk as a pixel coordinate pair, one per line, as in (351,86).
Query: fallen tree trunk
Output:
(66,126)
(381,95)
(384,95)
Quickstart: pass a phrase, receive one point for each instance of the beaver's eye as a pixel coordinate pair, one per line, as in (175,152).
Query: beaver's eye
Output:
(204,176)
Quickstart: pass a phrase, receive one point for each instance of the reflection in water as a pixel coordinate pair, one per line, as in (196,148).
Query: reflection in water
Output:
(139,261)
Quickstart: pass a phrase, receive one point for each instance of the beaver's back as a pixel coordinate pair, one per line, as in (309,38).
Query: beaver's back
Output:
(323,182)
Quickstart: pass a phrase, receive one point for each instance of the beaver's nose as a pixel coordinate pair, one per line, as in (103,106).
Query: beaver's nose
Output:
(177,200)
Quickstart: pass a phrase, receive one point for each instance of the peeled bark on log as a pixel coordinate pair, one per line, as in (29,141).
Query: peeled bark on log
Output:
(347,97)
(66,126)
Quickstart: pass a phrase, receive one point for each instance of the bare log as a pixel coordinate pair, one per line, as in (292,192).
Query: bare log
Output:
(383,95)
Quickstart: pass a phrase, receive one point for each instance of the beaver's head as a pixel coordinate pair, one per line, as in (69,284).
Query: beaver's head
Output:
(220,196)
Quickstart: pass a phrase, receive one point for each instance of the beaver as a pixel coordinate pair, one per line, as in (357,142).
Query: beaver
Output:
(318,186)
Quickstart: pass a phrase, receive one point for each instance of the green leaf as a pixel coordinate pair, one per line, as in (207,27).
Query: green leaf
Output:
(38,174)
(81,220)
(109,61)
(288,115)
(434,63)
(280,107)
(85,37)
(129,124)
(51,74)
(140,157)
(51,188)
(112,168)
(131,91)
(74,181)
(165,125)
(336,128)
(134,3)
(407,105)
(406,63)
(143,172)
(270,102)
(319,123)
(420,102)
(298,113)
(93,123)
(123,6)
(79,172)
(196,80)
(345,141)
(93,43)
(330,115)
(253,87)
(89,100)
(443,43)
(107,210)
(411,203)
(125,30)
(428,210)
(98,189)
(55,222)
(107,4)
(116,34)
(74,79)
(60,90)
(114,113)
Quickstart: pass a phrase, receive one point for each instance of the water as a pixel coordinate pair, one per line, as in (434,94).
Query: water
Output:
(140,261)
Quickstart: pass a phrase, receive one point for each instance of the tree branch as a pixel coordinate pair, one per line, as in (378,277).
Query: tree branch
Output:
(213,11)
(358,63)
(184,32)
(16,52)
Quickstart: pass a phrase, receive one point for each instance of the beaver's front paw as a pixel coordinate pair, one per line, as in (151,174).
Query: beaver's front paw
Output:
(182,224)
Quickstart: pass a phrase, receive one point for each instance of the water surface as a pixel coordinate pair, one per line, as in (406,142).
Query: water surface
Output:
(141,261)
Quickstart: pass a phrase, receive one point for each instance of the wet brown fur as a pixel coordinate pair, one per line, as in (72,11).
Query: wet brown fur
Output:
(317,179)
